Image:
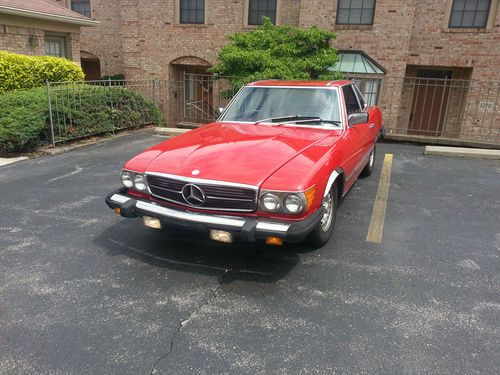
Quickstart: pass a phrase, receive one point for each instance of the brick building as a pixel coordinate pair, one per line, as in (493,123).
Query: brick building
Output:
(400,44)
(39,27)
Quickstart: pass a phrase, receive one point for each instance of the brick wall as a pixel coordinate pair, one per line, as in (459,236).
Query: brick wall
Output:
(411,32)
(387,40)
(142,38)
(15,39)
(434,44)
(16,31)
(103,41)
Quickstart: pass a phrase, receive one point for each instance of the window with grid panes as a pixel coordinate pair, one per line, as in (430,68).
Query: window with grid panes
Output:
(192,11)
(355,12)
(258,9)
(55,46)
(469,13)
(82,7)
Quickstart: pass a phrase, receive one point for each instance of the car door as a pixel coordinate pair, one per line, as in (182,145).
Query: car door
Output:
(356,135)
(372,129)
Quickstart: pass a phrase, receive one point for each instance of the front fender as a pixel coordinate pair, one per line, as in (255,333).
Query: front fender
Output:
(337,173)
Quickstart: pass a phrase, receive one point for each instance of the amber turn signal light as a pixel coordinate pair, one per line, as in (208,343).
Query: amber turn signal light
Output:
(274,241)
(118,210)
(309,194)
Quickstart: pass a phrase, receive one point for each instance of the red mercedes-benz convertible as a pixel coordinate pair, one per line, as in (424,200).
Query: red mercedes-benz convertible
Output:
(273,167)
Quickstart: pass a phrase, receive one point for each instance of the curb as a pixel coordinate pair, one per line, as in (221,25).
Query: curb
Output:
(170,132)
(7,161)
(440,141)
(64,149)
(475,153)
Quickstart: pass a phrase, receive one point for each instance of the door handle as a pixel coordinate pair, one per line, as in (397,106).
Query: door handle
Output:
(371,126)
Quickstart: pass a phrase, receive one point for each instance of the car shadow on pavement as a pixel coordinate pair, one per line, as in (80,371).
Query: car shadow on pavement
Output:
(191,252)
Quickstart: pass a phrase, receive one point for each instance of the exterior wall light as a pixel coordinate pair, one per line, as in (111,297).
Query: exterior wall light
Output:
(33,40)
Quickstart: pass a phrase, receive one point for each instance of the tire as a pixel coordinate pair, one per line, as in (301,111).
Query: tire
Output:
(324,229)
(370,165)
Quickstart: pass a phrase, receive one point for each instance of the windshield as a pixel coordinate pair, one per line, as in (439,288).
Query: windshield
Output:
(260,103)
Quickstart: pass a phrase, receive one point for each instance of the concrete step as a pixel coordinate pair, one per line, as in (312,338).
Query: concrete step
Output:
(477,153)
(170,132)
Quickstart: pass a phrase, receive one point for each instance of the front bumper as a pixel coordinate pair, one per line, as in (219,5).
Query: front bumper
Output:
(244,228)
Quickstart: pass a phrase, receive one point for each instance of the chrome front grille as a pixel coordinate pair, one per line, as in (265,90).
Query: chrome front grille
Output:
(216,195)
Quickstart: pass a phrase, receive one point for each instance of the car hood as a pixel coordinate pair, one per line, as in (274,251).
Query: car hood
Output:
(243,153)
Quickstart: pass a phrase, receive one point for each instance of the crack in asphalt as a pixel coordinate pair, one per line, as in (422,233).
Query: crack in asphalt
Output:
(220,281)
(183,322)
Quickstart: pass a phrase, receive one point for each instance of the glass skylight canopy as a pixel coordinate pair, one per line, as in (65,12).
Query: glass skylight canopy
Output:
(356,62)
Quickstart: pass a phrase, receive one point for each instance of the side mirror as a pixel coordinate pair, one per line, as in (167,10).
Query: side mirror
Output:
(220,110)
(357,118)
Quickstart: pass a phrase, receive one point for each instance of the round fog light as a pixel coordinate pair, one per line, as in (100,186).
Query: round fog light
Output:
(293,204)
(270,202)
(140,182)
(127,179)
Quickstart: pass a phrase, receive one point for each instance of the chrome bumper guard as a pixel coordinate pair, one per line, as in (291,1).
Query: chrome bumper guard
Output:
(227,221)
(248,228)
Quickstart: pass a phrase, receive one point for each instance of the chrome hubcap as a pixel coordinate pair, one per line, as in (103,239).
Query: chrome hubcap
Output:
(372,158)
(326,220)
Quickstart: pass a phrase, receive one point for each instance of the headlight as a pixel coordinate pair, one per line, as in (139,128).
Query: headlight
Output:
(293,203)
(270,201)
(140,182)
(127,179)
(286,202)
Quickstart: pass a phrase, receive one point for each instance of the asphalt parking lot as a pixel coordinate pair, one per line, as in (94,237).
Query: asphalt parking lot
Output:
(83,291)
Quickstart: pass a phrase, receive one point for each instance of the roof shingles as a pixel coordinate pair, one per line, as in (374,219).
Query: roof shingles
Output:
(41,6)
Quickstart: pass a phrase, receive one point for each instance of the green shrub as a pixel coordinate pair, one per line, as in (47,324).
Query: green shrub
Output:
(22,119)
(18,72)
(277,52)
(115,77)
(78,110)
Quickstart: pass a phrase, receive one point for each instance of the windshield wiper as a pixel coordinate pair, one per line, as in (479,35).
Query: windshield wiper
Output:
(308,120)
(291,118)
(295,119)
(318,119)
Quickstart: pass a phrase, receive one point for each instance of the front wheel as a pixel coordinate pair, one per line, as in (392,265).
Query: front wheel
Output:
(369,167)
(324,229)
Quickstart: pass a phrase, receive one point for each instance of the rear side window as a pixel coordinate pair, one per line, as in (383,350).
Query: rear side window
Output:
(351,103)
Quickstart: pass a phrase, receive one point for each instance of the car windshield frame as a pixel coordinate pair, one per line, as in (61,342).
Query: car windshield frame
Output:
(325,125)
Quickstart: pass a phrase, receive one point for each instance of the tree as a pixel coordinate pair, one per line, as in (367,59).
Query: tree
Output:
(277,52)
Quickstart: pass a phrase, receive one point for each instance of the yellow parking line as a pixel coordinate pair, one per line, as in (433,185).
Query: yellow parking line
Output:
(376,228)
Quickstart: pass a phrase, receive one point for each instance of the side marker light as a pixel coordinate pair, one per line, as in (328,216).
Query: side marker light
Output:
(274,241)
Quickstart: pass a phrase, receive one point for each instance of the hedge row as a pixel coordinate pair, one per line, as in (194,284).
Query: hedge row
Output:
(77,112)
(22,118)
(18,72)
(80,110)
